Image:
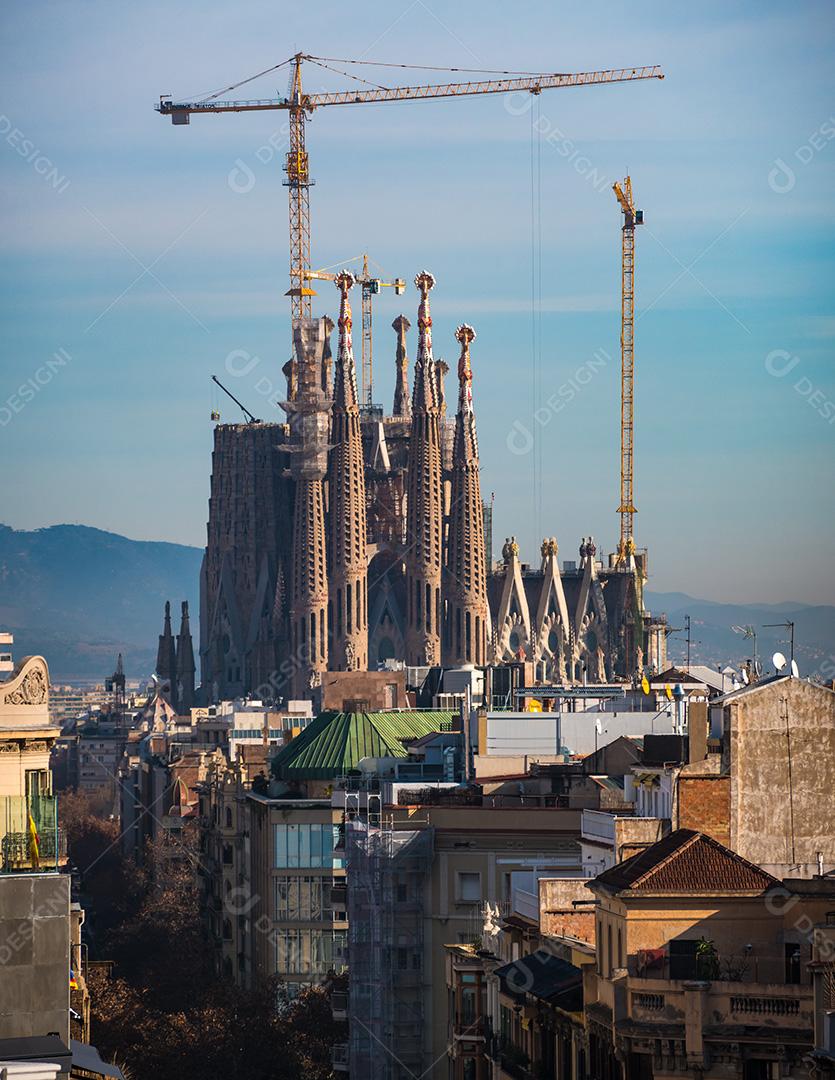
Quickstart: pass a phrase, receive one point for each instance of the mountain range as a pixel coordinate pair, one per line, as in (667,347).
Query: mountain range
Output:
(79,596)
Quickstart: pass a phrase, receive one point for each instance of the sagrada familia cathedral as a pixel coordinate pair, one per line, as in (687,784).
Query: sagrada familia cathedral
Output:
(345,538)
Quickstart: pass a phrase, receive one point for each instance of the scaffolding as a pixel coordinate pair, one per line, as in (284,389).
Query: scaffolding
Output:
(388,871)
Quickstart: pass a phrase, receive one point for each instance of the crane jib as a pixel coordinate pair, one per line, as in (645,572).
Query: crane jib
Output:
(415,93)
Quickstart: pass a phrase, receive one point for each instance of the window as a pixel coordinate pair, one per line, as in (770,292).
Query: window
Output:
(683,960)
(505,1024)
(792,952)
(305,845)
(228,817)
(300,899)
(315,951)
(468,887)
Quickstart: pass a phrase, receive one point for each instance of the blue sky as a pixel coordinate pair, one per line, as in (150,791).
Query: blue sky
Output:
(732,157)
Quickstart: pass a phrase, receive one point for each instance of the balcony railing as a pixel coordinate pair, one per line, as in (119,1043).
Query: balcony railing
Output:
(784,1004)
(30,838)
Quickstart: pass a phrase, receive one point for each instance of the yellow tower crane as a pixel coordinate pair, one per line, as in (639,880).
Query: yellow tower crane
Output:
(370,287)
(300,105)
(631,218)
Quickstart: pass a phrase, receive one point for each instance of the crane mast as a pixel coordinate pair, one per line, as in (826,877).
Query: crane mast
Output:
(297,168)
(367,337)
(300,106)
(627,511)
(370,287)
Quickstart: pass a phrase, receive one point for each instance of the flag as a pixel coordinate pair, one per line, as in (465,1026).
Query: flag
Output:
(73,980)
(34,843)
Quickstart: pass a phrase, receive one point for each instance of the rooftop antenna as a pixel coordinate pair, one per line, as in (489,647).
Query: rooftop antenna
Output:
(787,625)
(748,632)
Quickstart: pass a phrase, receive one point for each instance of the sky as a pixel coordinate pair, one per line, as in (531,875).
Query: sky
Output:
(140,258)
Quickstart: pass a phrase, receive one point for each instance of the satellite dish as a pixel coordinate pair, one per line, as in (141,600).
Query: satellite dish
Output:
(795,669)
(745,677)
(598,726)
(779,661)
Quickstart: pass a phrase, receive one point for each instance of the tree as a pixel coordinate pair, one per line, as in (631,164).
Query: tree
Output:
(167,1014)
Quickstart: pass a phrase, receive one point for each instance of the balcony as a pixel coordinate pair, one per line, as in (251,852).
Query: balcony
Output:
(777,1005)
(339,1057)
(30,838)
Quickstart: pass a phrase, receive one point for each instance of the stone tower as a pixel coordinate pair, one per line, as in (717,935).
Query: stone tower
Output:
(424,510)
(402,405)
(185,664)
(308,414)
(465,583)
(167,657)
(346,487)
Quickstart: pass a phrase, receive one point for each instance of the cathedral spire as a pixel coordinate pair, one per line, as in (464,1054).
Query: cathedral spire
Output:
(424,507)
(348,578)
(402,404)
(465,586)
(167,657)
(308,450)
(185,664)
(425,392)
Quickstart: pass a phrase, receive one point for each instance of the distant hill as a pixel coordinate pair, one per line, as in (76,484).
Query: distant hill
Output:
(79,596)
(713,641)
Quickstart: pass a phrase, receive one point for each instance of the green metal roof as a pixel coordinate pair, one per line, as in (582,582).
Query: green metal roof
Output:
(336,742)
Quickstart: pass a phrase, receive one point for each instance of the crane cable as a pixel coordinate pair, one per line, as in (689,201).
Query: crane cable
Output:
(429,67)
(252,78)
(536,308)
(324,60)
(348,75)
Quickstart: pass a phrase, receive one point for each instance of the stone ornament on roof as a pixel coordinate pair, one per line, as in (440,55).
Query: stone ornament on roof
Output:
(33,686)
(549,547)
(510,550)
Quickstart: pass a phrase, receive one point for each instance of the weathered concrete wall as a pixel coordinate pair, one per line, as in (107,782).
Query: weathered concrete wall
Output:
(782,769)
(634,834)
(34,955)
(558,914)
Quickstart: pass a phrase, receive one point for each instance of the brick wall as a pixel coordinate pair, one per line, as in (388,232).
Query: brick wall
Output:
(568,924)
(704,805)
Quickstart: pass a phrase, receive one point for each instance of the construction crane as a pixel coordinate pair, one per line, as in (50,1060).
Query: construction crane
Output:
(631,218)
(370,287)
(300,106)
(250,419)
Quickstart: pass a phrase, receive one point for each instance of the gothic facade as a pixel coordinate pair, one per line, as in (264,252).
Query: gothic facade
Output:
(346,537)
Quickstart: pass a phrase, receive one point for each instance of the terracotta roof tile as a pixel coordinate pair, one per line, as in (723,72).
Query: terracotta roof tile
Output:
(685,862)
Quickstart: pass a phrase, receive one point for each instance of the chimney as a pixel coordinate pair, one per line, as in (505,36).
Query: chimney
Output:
(697,730)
